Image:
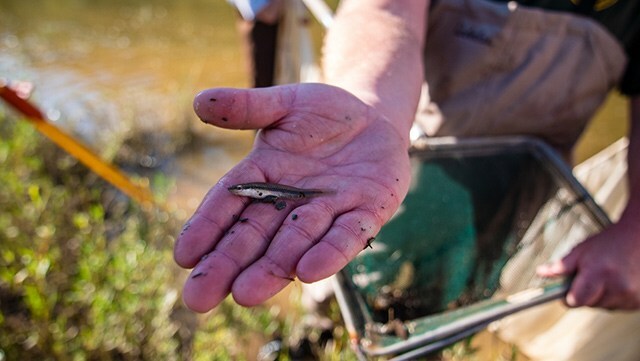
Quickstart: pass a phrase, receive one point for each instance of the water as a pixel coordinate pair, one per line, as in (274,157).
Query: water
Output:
(121,75)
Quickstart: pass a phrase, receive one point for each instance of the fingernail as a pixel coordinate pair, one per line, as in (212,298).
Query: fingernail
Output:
(545,269)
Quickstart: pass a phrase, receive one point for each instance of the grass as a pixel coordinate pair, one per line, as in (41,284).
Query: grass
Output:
(85,274)
(610,123)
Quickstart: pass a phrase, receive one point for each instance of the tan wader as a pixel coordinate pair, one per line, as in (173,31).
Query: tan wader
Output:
(504,69)
(501,69)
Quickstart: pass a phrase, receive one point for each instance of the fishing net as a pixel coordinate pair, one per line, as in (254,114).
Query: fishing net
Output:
(463,248)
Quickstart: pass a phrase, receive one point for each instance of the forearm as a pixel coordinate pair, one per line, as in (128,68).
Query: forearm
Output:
(374,50)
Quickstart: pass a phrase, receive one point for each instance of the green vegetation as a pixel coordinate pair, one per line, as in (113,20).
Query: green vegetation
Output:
(84,274)
(87,275)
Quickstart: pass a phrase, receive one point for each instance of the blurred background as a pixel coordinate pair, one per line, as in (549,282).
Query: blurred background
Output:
(87,274)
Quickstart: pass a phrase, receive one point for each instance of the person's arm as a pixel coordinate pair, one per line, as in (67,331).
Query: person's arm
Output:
(374,50)
(349,138)
(607,265)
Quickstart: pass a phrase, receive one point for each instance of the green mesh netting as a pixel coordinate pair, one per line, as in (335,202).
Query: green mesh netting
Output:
(455,231)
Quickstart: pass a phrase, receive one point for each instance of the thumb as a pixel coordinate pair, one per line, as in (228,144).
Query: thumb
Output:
(564,267)
(244,108)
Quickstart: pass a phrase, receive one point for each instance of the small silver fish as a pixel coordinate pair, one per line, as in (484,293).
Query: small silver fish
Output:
(269,192)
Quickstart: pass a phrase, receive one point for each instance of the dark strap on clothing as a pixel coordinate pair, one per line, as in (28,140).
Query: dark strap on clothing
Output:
(585,7)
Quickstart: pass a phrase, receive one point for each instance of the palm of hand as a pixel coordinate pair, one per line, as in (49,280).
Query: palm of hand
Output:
(313,136)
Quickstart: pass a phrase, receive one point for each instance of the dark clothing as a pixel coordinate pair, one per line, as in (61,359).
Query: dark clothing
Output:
(263,39)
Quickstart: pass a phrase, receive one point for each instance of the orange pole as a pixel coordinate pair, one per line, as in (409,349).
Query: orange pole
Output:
(72,146)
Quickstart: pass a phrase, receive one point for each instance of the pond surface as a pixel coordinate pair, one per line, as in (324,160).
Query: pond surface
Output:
(121,76)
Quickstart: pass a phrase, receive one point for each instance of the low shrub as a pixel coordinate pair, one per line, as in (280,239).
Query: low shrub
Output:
(86,274)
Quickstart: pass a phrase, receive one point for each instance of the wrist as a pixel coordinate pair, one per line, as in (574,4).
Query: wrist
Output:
(383,111)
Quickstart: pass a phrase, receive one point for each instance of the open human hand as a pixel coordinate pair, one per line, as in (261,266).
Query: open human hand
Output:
(605,267)
(311,136)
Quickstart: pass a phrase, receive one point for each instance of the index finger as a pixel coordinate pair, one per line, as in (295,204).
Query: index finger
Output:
(206,226)
(217,212)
